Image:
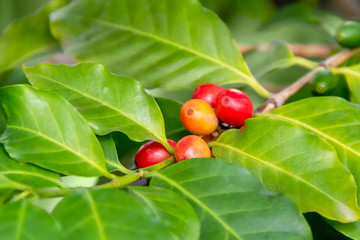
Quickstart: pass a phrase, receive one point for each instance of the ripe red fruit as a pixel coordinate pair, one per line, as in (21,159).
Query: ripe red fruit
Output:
(151,153)
(198,117)
(207,92)
(233,107)
(191,146)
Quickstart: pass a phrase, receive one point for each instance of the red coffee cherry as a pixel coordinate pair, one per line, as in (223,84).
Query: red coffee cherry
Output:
(233,107)
(191,146)
(151,153)
(198,117)
(207,92)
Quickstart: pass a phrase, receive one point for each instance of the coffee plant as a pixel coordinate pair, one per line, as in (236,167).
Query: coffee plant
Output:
(162,119)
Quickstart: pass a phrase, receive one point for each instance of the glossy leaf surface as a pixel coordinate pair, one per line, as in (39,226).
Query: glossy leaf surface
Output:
(23,221)
(108,214)
(107,101)
(15,175)
(289,159)
(171,209)
(164,43)
(46,130)
(231,202)
(333,119)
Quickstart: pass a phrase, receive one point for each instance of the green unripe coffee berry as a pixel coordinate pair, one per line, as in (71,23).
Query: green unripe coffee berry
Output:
(322,83)
(348,34)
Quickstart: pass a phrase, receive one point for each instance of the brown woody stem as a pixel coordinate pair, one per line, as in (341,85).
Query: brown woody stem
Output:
(278,99)
(303,50)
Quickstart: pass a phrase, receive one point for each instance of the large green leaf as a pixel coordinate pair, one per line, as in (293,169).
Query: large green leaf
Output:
(352,75)
(46,130)
(21,176)
(28,39)
(333,119)
(338,122)
(108,102)
(12,10)
(172,210)
(231,202)
(289,159)
(23,221)
(108,215)
(172,44)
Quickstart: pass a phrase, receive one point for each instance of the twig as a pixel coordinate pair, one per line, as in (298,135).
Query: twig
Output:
(278,99)
(303,50)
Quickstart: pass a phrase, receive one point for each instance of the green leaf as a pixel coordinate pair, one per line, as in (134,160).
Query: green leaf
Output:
(112,160)
(352,230)
(29,39)
(352,75)
(172,210)
(109,149)
(22,176)
(108,214)
(331,118)
(126,149)
(170,109)
(23,221)
(58,139)
(231,202)
(250,31)
(107,101)
(277,56)
(171,44)
(289,159)
(12,10)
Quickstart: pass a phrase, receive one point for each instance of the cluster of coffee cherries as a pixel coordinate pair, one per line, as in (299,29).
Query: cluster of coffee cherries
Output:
(210,106)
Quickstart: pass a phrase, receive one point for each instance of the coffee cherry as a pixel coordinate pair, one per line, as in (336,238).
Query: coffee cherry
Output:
(233,107)
(191,146)
(348,34)
(198,117)
(207,92)
(322,83)
(152,153)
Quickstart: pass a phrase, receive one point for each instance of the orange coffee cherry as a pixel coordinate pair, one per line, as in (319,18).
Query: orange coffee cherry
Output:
(198,117)
(191,146)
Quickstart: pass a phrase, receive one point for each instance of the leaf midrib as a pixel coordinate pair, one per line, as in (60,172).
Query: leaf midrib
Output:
(200,203)
(103,103)
(20,220)
(165,41)
(96,215)
(18,172)
(322,134)
(282,170)
(101,170)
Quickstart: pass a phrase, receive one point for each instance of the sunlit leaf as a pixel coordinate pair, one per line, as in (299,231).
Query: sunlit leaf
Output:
(163,43)
(46,130)
(107,101)
(287,158)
